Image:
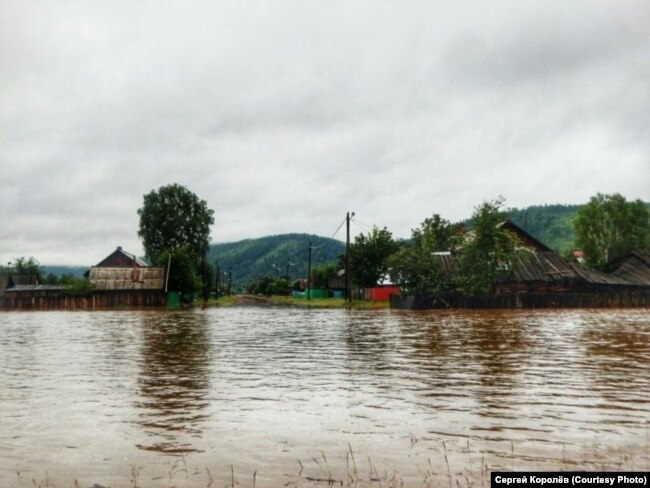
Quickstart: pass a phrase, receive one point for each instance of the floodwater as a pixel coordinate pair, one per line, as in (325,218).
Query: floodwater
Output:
(293,396)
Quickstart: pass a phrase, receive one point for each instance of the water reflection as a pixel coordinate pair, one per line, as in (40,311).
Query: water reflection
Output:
(616,352)
(498,346)
(269,386)
(174,380)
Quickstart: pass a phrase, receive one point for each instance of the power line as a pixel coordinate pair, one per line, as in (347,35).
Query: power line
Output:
(338,228)
(362,226)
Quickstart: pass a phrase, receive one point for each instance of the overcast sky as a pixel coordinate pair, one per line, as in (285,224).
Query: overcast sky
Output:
(284,115)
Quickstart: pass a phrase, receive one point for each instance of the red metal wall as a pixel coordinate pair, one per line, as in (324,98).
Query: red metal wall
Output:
(383,293)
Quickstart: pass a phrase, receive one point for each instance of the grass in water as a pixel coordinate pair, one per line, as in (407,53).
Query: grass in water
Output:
(464,467)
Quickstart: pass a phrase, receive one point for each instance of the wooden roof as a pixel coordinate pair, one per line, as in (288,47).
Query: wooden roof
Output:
(121,259)
(524,237)
(23,279)
(633,267)
(550,267)
(9,281)
(27,288)
(108,278)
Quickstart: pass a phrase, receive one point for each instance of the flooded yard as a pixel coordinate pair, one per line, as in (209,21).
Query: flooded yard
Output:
(294,397)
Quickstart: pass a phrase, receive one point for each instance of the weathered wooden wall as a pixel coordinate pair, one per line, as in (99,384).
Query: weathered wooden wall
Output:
(617,299)
(96,301)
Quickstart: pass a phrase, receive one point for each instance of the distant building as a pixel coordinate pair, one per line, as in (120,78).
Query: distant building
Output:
(121,259)
(119,280)
(11,280)
(122,278)
(579,255)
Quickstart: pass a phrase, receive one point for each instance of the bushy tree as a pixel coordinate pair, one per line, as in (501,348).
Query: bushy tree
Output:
(173,217)
(174,221)
(487,250)
(184,275)
(320,275)
(414,267)
(51,279)
(369,255)
(609,226)
(268,286)
(25,266)
(75,286)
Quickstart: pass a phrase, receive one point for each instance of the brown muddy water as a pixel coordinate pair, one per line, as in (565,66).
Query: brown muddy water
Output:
(162,398)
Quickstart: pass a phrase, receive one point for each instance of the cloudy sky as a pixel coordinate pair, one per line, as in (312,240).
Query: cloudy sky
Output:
(284,115)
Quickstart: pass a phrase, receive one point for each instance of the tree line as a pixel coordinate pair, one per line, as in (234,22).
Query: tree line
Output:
(175,230)
(606,228)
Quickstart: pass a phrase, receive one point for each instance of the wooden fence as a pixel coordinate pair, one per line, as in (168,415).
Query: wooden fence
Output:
(610,299)
(97,300)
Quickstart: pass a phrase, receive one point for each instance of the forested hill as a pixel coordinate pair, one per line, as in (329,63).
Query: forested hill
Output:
(551,224)
(252,259)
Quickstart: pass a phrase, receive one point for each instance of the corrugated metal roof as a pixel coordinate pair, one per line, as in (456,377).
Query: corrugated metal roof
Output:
(150,278)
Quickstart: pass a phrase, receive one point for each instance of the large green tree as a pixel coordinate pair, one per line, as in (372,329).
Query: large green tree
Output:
(175,222)
(369,255)
(173,217)
(414,267)
(609,226)
(487,251)
(24,266)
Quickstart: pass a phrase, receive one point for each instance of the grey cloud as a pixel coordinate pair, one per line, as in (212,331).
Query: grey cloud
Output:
(285,116)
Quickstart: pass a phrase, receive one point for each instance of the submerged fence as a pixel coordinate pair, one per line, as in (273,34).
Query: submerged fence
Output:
(96,300)
(600,299)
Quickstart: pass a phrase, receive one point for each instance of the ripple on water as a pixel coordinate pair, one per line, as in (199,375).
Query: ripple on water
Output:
(233,383)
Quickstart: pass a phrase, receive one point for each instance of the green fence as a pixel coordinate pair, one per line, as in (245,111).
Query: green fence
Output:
(173,300)
(313,293)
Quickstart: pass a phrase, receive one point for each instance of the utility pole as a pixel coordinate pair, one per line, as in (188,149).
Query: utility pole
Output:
(204,283)
(309,274)
(230,281)
(288,284)
(216,283)
(348,294)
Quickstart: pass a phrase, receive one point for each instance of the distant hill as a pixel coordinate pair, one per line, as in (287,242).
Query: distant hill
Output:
(77,271)
(551,224)
(252,259)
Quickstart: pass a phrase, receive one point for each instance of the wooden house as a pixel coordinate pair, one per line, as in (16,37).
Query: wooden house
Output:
(539,277)
(122,279)
(119,280)
(36,296)
(10,281)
